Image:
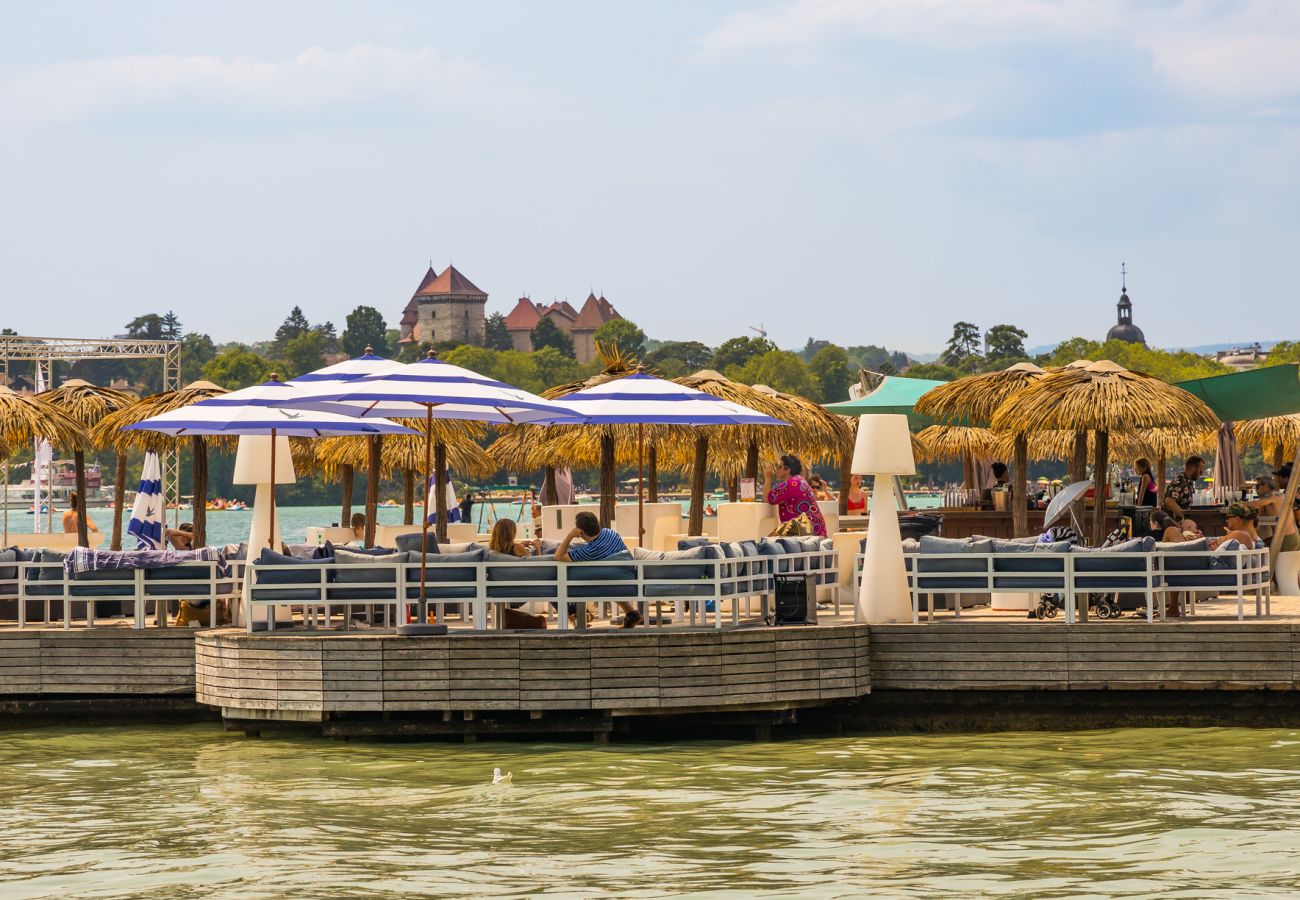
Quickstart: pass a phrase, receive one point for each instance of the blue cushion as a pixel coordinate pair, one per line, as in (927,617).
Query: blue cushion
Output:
(676,571)
(598,571)
(268,559)
(929,544)
(1173,563)
(691,542)
(411,542)
(1113,559)
(441,567)
(544,574)
(361,568)
(285,594)
(769,547)
(197,574)
(951,582)
(691,589)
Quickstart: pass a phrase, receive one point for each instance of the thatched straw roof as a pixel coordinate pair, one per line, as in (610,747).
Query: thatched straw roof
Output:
(24,418)
(86,403)
(975,398)
(940,443)
(1151,443)
(1101,396)
(1275,435)
(108,432)
(407,452)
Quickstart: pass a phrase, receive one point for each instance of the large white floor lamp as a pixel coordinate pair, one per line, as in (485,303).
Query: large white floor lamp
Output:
(883,450)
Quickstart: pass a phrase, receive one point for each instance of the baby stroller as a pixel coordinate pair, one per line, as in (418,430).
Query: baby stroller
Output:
(1103,605)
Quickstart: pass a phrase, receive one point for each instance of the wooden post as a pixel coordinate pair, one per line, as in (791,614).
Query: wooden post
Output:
(733,488)
(1019,485)
(119,498)
(1100,459)
(608,486)
(652,474)
(1161,480)
(550,494)
(374,445)
(846,478)
(440,488)
(79,464)
(968,472)
(199,473)
(751,461)
(345,514)
(695,524)
(408,497)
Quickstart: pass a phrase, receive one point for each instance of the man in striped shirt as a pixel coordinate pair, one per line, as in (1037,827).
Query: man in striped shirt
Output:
(598,543)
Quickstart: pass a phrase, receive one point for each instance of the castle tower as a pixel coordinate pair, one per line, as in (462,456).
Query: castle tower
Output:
(448,307)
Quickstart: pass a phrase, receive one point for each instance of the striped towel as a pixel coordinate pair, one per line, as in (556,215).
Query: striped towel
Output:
(87,559)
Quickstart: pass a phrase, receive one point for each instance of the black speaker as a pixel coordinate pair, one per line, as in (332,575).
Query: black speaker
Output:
(796,595)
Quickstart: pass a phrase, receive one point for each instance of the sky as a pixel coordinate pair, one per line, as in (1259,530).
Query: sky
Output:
(864,171)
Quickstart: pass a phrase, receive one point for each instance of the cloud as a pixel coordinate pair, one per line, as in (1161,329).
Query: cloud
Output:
(315,81)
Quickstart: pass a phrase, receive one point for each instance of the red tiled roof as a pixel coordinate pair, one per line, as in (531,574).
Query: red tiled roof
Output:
(524,316)
(449,282)
(411,314)
(595,313)
(429,278)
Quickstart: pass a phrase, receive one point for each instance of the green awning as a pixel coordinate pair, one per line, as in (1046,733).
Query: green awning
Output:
(895,395)
(1254,394)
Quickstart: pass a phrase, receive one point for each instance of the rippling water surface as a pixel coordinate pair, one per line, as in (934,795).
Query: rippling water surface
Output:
(190,811)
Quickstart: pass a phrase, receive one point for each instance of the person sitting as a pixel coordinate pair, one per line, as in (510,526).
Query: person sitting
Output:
(1146,489)
(1271,505)
(503,540)
(792,496)
(181,538)
(1165,529)
(1180,491)
(709,510)
(857,499)
(1191,530)
(358,525)
(598,543)
(1240,520)
(70,516)
(819,487)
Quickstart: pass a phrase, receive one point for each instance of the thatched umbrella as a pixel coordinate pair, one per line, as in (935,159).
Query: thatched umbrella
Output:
(109,433)
(1277,436)
(25,418)
(1101,397)
(87,404)
(973,400)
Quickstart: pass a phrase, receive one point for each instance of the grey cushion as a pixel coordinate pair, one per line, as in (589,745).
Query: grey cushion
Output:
(268,560)
(675,572)
(1200,545)
(543,573)
(411,542)
(688,543)
(465,547)
(602,571)
(198,575)
(929,544)
(363,568)
(443,566)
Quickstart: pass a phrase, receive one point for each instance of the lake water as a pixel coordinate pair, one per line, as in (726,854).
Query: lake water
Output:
(232,527)
(192,811)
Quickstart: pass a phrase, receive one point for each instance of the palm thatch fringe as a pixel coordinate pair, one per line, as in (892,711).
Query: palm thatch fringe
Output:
(1277,437)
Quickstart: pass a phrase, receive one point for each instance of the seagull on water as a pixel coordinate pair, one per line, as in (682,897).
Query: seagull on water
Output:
(498,778)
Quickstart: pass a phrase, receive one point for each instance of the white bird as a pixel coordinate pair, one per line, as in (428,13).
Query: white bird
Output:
(498,778)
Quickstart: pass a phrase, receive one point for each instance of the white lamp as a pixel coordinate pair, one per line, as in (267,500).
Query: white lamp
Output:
(883,449)
(253,466)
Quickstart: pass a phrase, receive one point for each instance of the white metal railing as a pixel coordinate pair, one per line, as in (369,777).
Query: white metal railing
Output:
(1240,573)
(481,585)
(51,588)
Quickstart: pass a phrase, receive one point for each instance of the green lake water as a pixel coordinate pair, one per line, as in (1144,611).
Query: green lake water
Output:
(194,812)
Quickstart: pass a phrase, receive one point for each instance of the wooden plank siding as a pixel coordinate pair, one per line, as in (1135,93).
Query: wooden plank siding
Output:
(1113,656)
(635,672)
(101,661)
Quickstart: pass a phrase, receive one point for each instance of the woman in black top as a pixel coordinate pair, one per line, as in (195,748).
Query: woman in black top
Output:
(1146,492)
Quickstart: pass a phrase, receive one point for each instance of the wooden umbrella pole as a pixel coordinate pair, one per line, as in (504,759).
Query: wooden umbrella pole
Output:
(1100,460)
(751,460)
(695,524)
(408,497)
(1288,509)
(640,485)
(1160,479)
(1019,483)
(652,473)
(550,494)
(270,533)
(374,445)
(423,606)
(199,477)
(79,467)
(440,488)
(846,478)
(345,512)
(608,484)
(119,498)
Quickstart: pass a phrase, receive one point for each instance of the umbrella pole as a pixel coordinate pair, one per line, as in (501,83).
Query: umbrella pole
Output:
(640,485)
(199,470)
(751,460)
(6,510)
(608,485)
(374,442)
(345,513)
(1019,506)
(423,606)
(1100,459)
(696,522)
(846,478)
(119,498)
(550,495)
(270,533)
(440,490)
(1160,479)
(79,469)
(652,473)
(408,497)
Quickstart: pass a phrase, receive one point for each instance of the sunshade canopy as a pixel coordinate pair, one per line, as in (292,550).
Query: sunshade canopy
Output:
(894,396)
(641,398)
(1254,394)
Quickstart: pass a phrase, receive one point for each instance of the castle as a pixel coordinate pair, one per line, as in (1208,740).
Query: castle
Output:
(448,307)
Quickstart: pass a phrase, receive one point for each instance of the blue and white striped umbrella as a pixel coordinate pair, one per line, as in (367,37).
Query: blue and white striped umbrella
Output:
(641,399)
(146,513)
(435,389)
(259,410)
(348,370)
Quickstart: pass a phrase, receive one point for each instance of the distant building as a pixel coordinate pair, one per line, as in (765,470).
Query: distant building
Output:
(446,307)
(1242,358)
(1124,329)
(581,325)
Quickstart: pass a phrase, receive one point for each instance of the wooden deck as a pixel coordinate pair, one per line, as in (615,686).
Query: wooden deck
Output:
(106,661)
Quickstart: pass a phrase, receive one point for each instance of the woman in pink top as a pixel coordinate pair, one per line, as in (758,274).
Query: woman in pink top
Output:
(792,496)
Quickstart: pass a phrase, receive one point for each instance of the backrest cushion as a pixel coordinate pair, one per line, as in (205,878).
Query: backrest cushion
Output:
(688,543)
(50,556)
(365,568)
(268,560)
(601,572)
(411,542)
(544,569)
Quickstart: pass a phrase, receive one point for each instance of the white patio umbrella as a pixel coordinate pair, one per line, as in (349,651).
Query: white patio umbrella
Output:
(640,399)
(431,388)
(256,411)
(146,512)
(337,375)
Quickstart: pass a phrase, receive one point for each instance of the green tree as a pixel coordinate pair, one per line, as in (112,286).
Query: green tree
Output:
(547,334)
(495,334)
(294,324)
(1283,352)
(171,326)
(197,350)
(365,327)
(830,365)
(932,371)
(887,367)
(1006,342)
(148,327)
(237,368)
(476,359)
(520,369)
(672,359)
(1167,365)
(554,368)
(621,333)
(965,341)
(780,369)
(304,353)
(739,350)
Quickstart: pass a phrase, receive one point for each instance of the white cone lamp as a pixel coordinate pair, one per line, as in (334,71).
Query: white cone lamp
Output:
(884,450)
(253,466)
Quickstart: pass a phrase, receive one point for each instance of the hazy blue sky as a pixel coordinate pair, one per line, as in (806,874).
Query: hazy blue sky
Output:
(866,171)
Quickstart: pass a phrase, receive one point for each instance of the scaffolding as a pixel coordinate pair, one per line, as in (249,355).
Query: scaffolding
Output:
(44,352)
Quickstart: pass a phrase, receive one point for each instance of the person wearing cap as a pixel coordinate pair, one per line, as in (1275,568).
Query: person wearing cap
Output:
(1241,521)
(1272,506)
